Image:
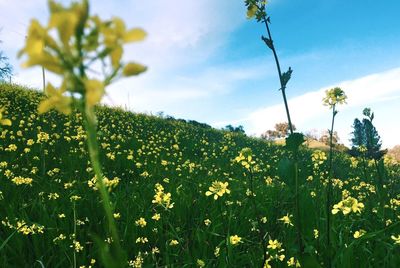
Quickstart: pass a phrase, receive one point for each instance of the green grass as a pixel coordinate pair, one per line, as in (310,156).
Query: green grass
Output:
(185,159)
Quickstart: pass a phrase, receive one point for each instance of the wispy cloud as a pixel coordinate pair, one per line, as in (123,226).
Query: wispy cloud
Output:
(308,112)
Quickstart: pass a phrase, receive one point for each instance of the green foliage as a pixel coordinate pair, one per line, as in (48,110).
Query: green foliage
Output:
(5,67)
(294,141)
(281,130)
(231,128)
(366,140)
(143,151)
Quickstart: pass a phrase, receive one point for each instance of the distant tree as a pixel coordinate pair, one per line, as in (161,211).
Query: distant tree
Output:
(325,138)
(281,130)
(366,139)
(5,67)
(395,152)
(230,128)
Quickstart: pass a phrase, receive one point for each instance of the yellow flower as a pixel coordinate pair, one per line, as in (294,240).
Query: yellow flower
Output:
(156,217)
(396,239)
(334,96)
(348,205)
(316,233)
(76,246)
(21,181)
(94,92)
(292,262)
(207,222)
(216,251)
(141,222)
(133,68)
(218,189)
(173,242)
(235,239)
(4,122)
(274,244)
(200,263)
(359,233)
(55,100)
(251,11)
(162,198)
(287,219)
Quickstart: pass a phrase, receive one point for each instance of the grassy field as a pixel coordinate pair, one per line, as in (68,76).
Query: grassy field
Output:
(159,173)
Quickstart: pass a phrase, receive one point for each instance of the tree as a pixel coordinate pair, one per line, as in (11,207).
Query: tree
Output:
(395,152)
(326,136)
(281,130)
(230,128)
(5,67)
(366,140)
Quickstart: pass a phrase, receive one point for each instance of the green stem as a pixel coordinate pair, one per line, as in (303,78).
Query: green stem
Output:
(278,67)
(297,207)
(262,232)
(74,233)
(329,189)
(94,159)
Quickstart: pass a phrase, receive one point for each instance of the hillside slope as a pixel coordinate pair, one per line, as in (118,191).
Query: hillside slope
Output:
(159,174)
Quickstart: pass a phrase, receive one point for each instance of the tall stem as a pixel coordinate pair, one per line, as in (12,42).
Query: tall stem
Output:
(297,206)
(278,67)
(262,232)
(94,159)
(329,189)
(283,89)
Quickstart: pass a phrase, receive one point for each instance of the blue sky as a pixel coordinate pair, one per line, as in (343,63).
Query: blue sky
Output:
(207,62)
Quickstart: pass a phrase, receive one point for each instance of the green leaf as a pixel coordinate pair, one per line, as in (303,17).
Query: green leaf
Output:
(307,260)
(268,42)
(286,171)
(294,141)
(286,77)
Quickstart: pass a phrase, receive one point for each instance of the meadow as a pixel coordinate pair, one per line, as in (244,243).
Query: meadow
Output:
(85,185)
(183,195)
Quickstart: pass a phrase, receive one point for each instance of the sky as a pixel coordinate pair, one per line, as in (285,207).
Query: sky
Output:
(206,61)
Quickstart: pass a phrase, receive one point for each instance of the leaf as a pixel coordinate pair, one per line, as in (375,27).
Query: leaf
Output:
(6,240)
(294,141)
(134,35)
(286,171)
(133,68)
(307,260)
(268,42)
(286,77)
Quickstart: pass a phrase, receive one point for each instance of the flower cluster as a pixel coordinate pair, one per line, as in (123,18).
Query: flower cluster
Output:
(161,198)
(218,189)
(348,205)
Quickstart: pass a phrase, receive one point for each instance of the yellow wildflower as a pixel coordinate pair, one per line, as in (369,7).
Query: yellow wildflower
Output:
(287,219)
(235,239)
(141,222)
(359,233)
(4,122)
(218,189)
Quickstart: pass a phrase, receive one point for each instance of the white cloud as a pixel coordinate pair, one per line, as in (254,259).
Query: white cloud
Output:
(376,90)
(182,35)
